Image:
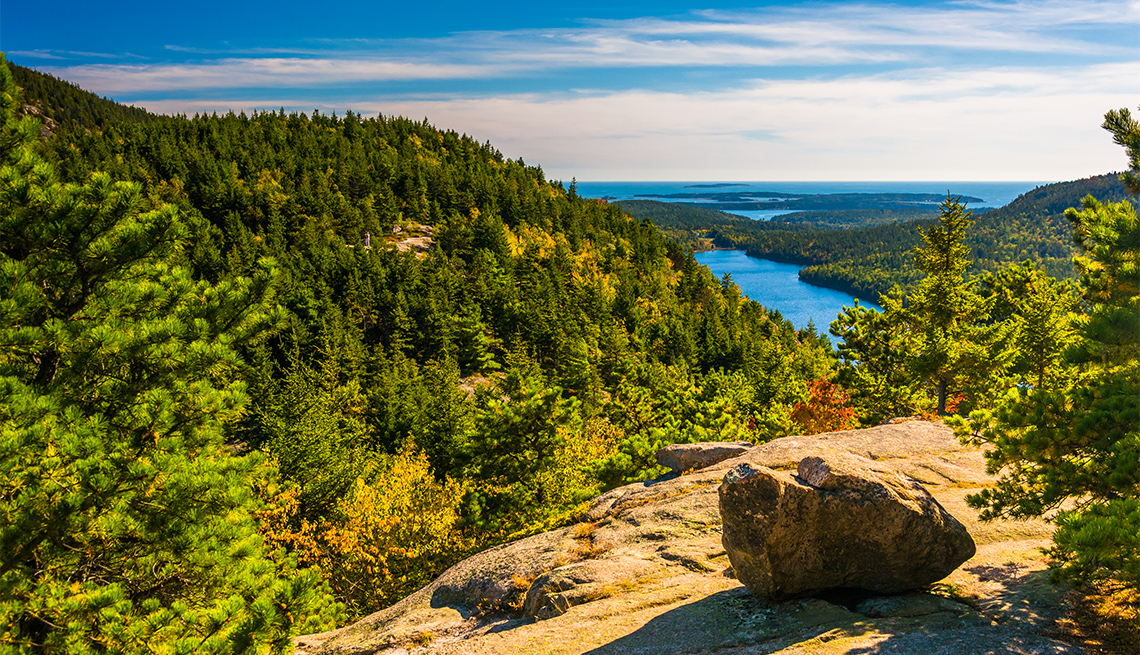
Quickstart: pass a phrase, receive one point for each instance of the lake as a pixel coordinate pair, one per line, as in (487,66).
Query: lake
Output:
(778,286)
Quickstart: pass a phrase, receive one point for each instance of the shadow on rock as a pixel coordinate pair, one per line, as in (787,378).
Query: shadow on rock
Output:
(972,640)
(735,618)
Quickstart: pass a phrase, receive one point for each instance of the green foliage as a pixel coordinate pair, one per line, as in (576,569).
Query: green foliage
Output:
(62,105)
(866,252)
(128,522)
(936,341)
(313,424)
(1098,542)
(953,345)
(1075,438)
(522,426)
(413,265)
(687,225)
(847,219)
(1038,312)
(1126,132)
(873,348)
(657,406)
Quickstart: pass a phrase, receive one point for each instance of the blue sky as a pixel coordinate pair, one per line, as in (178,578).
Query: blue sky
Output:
(639,90)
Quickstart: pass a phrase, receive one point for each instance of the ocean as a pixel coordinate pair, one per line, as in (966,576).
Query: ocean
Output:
(993,194)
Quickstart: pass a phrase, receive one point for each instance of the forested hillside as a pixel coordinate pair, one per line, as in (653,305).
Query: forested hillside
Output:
(1031,228)
(60,104)
(867,251)
(456,350)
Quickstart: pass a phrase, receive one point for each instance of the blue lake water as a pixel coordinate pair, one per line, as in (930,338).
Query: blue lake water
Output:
(778,286)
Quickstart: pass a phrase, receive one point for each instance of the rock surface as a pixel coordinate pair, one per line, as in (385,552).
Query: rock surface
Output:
(842,521)
(694,456)
(645,573)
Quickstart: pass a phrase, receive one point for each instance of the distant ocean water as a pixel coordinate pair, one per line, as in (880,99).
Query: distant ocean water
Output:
(993,194)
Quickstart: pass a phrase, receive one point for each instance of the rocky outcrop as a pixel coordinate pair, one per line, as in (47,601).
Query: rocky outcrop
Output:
(644,572)
(683,457)
(841,522)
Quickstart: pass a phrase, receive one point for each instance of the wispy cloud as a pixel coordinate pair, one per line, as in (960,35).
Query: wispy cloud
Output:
(259,73)
(810,35)
(34,54)
(73,54)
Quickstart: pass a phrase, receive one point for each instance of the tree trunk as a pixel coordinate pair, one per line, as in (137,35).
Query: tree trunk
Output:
(942,397)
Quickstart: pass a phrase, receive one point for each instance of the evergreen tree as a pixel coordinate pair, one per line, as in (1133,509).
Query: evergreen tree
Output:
(939,337)
(128,522)
(873,349)
(521,427)
(1080,442)
(953,347)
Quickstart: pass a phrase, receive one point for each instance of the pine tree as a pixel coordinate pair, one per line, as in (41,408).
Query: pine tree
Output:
(127,520)
(1080,442)
(954,348)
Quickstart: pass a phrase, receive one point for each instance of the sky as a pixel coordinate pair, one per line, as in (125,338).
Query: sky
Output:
(638,90)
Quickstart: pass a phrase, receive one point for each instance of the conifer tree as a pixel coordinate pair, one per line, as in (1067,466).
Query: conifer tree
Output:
(873,347)
(938,338)
(127,521)
(952,345)
(1080,442)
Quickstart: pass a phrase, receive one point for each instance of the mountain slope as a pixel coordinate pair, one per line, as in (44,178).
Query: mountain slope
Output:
(463,340)
(867,262)
(64,106)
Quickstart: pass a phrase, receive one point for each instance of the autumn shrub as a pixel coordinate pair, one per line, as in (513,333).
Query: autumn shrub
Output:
(827,409)
(392,533)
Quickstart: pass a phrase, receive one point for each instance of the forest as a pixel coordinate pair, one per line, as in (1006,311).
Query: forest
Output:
(263,374)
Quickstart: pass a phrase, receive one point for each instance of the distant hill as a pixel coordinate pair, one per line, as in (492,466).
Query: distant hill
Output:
(685,224)
(64,106)
(846,219)
(775,200)
(1032,227)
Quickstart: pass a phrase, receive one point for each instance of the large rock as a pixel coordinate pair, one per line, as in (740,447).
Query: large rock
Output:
(842,521)
(683,457)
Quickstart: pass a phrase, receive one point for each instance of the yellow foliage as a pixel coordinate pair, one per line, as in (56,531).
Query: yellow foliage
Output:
(392,532)
(524,236)
(390,535)
(279,528)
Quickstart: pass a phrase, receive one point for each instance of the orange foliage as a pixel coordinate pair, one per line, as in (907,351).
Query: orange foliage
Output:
(826,409)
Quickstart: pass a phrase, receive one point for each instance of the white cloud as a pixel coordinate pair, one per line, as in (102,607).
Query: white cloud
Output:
(73,54)
(256,72)
(1006,123)
(37,54)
